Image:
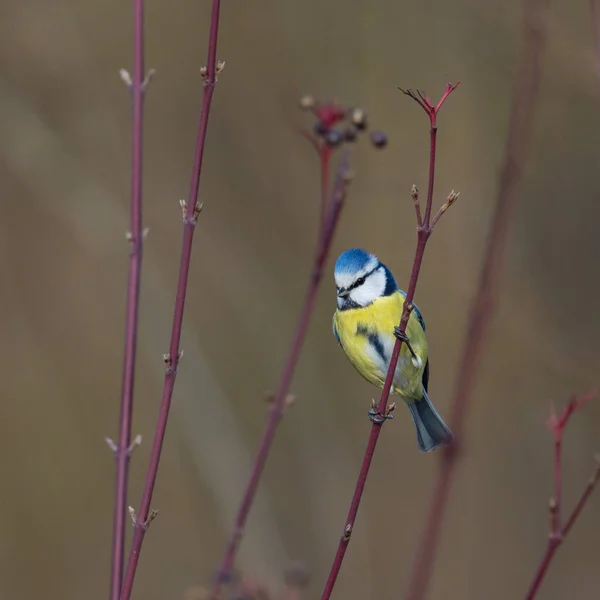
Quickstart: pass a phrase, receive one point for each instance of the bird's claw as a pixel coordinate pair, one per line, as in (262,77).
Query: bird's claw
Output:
(400,335)
(376,417)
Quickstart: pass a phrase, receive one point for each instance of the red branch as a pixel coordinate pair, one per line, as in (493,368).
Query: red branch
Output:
(557,534)
(278,402)
(191,211)
(135,237)
(325,151)
(424,231)
(519,135)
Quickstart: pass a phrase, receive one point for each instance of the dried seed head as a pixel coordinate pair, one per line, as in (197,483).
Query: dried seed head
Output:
(307,102)
(379,139)
(358,118)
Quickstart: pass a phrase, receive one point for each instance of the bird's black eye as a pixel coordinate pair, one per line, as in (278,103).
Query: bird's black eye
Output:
(360,281)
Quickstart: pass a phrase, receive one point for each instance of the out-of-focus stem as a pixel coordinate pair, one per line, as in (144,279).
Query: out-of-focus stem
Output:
(122,451)
(278,403)
(192,210)
(325,156)
(519,134)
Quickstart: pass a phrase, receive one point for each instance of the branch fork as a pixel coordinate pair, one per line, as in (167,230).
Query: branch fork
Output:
(143,524)
(218,69)
(127,80)
(184,210)
(426,104)
(558,532)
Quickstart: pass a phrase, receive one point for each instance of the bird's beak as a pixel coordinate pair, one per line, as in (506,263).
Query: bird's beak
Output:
(344,293)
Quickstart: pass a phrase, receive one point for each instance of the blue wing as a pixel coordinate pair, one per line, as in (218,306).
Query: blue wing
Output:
(337,337)
(416,311)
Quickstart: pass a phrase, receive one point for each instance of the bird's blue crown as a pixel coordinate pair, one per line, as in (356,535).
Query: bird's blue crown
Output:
(354,260)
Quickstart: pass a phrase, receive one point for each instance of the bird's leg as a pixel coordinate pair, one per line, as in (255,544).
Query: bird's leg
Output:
(404,338)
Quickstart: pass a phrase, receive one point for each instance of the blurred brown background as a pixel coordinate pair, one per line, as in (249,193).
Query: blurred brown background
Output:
(64,170)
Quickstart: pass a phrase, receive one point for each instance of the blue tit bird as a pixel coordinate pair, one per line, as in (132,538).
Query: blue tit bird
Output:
(365,324)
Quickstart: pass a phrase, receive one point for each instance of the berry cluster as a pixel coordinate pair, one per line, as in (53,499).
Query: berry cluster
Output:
(336,125)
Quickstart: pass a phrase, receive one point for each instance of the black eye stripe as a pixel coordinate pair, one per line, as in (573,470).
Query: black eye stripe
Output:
(362,279)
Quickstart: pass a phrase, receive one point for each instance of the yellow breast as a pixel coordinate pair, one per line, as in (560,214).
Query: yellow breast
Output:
(367,337)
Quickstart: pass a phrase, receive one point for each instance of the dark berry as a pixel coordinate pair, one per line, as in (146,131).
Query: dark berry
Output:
(320,128)
(350,133)
(379,139)
(334,137)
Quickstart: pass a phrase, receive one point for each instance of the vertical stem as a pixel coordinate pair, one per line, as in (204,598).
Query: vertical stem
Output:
(432,149)
(142,518)
(353,511)
(132,307)
(278,404)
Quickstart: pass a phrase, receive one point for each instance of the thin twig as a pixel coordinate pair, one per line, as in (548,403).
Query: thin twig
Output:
(519,135)
(557,535)
(276,410)
(192,209)
(135,240)
(424,231)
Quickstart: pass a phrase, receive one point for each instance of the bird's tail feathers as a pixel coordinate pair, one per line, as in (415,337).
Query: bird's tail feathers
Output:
(431,429)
